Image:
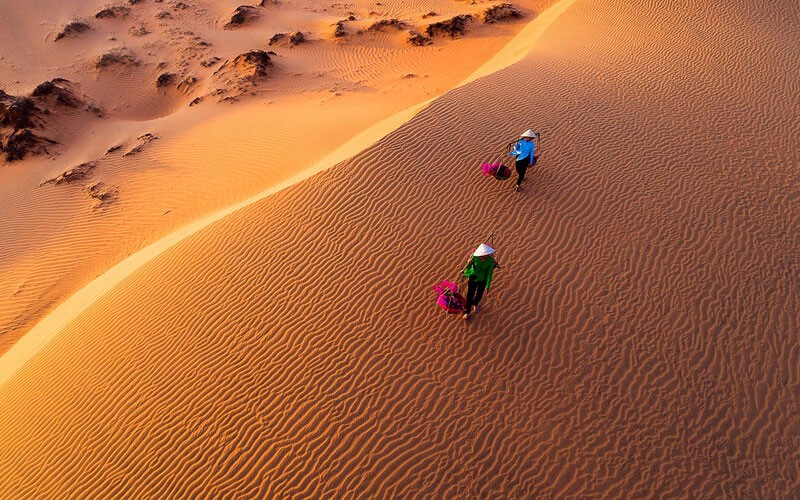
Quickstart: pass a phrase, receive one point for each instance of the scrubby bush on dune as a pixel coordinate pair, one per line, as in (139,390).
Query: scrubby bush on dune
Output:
(418,39)
(502,12)
(19,143)
(242,15)
(339,31)
(57,88)
(112,12)
(384,24)
(19,115)
(292,40)
(71,29)
(453,27)
(252,64)
(140,30)
(100,192)
(165,79)
(118,56)
(74,174)
(17,112)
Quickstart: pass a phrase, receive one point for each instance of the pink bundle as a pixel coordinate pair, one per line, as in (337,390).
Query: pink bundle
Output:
(449,299)
(490,169)
(445,287)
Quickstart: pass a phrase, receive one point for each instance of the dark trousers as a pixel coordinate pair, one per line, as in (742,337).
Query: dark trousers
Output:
(522,167)
(474,293)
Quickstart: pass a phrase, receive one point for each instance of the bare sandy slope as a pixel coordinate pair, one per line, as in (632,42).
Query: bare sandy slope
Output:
(245,135)
(641,340)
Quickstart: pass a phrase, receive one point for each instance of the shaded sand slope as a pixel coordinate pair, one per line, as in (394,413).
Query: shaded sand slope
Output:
(642,338)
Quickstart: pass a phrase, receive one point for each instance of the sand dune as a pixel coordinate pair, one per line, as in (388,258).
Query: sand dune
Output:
(226,147)
(641,340)
(46,329)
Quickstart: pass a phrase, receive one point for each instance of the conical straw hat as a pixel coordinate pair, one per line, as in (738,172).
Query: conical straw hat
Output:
(482,250)
(528,133)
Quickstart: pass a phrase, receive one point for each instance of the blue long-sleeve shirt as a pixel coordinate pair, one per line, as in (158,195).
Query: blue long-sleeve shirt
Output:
(524,149)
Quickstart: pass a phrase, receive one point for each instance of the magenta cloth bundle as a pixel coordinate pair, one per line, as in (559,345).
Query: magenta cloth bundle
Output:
(490,169)
(445,287)
(449,299)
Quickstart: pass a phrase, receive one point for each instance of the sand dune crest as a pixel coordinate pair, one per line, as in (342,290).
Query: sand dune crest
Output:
(70,309)
(60,239)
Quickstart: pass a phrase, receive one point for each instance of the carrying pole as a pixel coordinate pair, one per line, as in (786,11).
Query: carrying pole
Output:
(491,243)
(539,142)
(505,153)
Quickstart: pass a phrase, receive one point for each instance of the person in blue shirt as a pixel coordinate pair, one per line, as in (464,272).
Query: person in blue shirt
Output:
(525,152)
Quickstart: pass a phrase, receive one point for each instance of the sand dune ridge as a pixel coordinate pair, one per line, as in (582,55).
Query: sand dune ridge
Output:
(71,308)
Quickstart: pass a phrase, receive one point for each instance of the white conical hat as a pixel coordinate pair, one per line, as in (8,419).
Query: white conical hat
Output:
(528,133)
(483,249)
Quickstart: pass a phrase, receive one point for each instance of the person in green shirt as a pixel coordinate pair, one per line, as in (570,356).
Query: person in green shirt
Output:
(479,270)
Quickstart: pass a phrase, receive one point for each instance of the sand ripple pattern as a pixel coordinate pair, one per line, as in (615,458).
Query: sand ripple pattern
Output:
(642,339)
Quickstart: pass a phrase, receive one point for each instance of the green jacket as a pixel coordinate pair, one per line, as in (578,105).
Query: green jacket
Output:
(481,269)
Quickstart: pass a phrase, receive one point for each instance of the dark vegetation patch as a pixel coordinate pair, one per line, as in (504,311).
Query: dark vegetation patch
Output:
(143,140)
(453,27)
(165,79)
(140,30)
(19,115)
(17,112)
(71,29)
(339,31)
(100,192)
(206,63)
(119,56)
(252,64)
(242,15)
(418,39)
(499,13)
(292,39)
(57,89)
(112,12)
(74,174)
(385,24)
(20,143)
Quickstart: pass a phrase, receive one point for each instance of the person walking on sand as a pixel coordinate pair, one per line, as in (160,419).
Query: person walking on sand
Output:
(479,270)
(525,152)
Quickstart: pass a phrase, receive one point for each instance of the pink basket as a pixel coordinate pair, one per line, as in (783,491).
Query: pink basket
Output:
(449,299)
(445,287)
(496,170)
